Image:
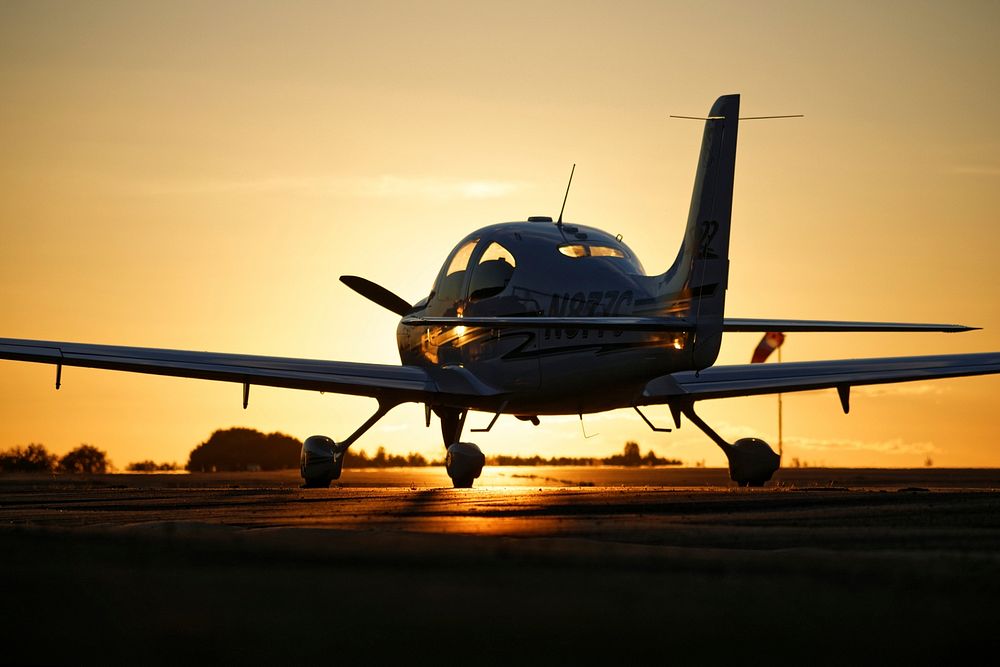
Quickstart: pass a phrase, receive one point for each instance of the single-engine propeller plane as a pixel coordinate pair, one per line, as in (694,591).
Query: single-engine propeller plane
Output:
(542,318)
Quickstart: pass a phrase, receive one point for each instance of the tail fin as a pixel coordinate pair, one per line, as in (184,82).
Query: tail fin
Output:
(695,286)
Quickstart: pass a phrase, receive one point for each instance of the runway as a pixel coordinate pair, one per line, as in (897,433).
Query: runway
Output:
(645,565)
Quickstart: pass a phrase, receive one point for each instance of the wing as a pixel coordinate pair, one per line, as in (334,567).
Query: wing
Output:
(396,383)
(752,379)
(654,324)
(749,324)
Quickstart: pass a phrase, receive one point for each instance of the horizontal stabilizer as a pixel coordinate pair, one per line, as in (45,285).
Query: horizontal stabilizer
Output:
(734,324)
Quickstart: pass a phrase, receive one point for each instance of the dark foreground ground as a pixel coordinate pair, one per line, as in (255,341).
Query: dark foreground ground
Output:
(657,566)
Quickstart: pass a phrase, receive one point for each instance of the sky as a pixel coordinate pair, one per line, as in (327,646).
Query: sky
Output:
(197,175)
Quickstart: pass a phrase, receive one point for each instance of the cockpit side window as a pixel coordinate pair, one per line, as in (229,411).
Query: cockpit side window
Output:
(461,258)
(449,288)
(497,251)
(591,250)
(492,273)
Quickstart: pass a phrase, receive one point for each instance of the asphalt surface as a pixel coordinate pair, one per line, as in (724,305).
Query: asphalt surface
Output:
(537,565)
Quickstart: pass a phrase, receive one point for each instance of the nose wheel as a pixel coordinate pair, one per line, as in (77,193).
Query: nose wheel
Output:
(464,463)
(464,460)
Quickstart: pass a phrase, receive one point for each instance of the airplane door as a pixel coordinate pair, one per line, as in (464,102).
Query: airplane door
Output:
(506,358)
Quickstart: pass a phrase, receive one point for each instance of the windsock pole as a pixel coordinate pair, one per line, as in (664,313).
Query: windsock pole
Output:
(780,445)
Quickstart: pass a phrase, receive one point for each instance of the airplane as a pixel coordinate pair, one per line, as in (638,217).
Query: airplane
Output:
(537,318)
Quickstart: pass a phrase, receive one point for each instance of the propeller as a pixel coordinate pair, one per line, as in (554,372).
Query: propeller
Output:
(378,294)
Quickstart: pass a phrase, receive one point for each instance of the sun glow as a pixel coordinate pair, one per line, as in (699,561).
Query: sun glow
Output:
(173,178)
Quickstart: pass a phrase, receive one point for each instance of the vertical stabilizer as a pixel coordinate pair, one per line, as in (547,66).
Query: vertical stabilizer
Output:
(695,286)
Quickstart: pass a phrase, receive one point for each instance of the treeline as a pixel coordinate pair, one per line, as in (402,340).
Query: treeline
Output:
(235,449)
(36,458)
(630,457)
(152,466)
(247,449)
(84,459)
(360,459)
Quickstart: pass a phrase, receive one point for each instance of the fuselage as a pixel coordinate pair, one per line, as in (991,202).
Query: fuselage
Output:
(541,268)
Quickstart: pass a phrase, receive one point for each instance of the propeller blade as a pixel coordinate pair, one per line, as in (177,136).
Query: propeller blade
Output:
(378,294)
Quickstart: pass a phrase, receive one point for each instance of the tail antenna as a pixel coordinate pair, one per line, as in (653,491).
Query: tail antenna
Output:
(566,196)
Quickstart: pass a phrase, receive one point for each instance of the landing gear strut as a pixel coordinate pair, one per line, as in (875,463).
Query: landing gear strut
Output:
(322,459)
(464,461)
(751,460)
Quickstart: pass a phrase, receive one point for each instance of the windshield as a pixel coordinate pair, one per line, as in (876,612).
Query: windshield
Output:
(492,273)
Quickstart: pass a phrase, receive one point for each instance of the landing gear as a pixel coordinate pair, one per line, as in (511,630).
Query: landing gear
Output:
(751,460)
(322,460)
(464,463)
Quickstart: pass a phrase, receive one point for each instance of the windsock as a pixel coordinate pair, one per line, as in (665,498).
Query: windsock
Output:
(771,341)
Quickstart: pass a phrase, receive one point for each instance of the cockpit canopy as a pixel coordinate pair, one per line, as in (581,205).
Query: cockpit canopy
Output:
(474,271)
(483,265)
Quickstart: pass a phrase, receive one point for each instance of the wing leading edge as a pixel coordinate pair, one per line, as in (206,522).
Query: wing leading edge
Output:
(734,324)
(654,324)
(754,379)
(396,383)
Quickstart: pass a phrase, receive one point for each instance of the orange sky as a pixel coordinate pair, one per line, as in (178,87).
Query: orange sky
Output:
(197,177)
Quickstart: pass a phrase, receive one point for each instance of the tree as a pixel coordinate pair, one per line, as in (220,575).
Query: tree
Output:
(85,459)
(245,449)
(358,458)
(633,457)
(415,460)
(151,466)
(33,458)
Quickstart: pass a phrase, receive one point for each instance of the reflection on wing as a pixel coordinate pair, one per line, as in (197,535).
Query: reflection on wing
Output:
(752,379)
(730,324)
(541,322)
(402,383)
(734,324)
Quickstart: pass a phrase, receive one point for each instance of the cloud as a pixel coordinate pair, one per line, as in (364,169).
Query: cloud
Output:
(909,389)
(392,428)
(894,446)
(434,188)
(383,186)
(975,169)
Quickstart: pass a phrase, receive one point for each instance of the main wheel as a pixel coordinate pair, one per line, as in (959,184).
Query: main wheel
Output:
(464,463)
(751,462)
(320,462)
